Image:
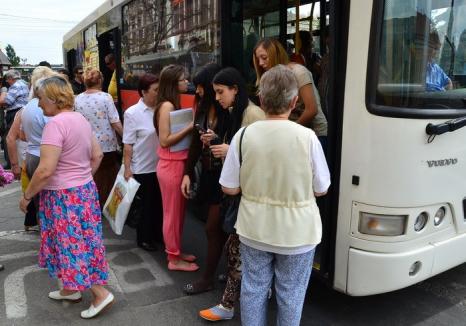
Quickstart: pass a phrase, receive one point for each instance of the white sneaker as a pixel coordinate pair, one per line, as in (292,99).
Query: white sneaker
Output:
(94,311)
(75,297)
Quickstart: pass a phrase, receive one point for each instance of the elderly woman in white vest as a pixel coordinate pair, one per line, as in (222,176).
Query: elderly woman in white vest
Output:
(283,169)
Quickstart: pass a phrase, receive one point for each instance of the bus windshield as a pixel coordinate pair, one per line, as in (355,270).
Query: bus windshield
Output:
(421,57)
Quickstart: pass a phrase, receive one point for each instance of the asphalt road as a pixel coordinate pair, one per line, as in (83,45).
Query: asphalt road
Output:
(148,294)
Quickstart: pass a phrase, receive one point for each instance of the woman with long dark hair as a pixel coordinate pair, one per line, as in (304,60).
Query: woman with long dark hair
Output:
(209,117)
(231,93)
(171,166)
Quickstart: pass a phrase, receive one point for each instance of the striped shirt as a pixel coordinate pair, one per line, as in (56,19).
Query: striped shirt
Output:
(17,96)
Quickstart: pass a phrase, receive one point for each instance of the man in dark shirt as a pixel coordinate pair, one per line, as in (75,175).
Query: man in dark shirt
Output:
(77,82)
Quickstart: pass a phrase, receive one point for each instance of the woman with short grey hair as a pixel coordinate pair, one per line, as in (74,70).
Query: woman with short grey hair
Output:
(278,222)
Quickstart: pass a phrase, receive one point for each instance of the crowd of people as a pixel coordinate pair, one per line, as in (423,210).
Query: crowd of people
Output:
(262,169)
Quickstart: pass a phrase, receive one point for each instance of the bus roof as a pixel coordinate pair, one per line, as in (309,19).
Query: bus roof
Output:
(93,16)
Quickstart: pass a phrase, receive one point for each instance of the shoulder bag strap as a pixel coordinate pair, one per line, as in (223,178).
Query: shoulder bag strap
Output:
(240,146)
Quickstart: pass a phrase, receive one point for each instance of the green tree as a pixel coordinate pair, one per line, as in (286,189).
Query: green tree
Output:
(11,54)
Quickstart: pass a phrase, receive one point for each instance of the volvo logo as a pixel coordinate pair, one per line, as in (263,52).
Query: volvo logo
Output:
(450,161)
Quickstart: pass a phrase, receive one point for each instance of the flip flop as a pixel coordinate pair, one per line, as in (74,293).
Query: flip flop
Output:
(191,267)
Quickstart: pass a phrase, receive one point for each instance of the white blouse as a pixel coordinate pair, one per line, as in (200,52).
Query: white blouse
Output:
(139,131)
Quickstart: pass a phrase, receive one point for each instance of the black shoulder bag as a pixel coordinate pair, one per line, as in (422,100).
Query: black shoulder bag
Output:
(230,204)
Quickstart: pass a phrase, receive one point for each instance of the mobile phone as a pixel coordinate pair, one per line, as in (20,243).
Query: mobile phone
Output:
(199,128)
(216,141)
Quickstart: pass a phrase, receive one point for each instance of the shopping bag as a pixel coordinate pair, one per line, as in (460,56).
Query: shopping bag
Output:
(119,201)
(24,178)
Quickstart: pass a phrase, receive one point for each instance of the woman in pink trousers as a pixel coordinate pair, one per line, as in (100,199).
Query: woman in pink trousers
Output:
(171,166)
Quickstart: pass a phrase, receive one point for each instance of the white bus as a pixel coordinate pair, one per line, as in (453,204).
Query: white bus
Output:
(396,211)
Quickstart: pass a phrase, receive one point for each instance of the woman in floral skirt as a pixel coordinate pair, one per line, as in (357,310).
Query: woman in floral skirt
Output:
(71,230)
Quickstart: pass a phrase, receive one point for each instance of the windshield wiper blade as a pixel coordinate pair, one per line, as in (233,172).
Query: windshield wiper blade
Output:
(447,126)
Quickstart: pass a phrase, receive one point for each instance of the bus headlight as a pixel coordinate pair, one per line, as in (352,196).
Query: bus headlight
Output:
(421,221)
(384,225)
(439,216)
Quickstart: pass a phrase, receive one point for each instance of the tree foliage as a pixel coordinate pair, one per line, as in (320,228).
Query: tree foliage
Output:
(11,54)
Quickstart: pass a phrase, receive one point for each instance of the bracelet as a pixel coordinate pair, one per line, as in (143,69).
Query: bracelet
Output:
(24,196)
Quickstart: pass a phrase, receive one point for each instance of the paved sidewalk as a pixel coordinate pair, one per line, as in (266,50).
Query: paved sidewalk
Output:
(148,294)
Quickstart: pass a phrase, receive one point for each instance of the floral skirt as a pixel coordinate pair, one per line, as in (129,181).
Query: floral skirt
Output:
(71,237)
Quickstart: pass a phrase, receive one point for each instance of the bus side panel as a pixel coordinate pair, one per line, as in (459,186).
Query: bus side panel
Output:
(399,173)
(187,101)
(131,97)
(128,98)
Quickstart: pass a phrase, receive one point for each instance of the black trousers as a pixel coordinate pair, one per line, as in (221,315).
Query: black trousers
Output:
(31,218)
(31,215)
(149,228)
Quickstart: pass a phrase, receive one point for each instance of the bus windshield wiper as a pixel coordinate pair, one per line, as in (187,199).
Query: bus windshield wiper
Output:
(444,127)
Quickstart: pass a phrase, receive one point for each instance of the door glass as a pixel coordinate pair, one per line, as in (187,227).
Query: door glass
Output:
(309,27)
(259,18)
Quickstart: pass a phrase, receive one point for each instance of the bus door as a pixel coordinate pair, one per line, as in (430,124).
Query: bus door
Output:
(109,43)
(315,32)
(245,22)
(71,61)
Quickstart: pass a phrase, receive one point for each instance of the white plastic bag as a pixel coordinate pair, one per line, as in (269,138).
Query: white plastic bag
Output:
(119,201)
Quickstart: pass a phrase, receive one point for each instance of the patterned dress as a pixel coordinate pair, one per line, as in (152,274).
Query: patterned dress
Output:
(71,237)
(99,109)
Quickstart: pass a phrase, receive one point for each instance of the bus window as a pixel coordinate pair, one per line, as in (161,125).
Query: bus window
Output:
(91,52)
(420,59)
(161,32)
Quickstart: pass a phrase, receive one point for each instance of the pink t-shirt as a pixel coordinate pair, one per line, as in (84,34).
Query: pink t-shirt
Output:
(73,134)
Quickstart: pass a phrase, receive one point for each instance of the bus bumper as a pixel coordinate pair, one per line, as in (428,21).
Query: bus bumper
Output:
(372,273)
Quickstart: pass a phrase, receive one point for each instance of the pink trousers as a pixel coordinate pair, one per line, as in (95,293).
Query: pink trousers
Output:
(170,175)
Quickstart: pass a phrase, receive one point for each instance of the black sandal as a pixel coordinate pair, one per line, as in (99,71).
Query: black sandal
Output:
(198,287)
